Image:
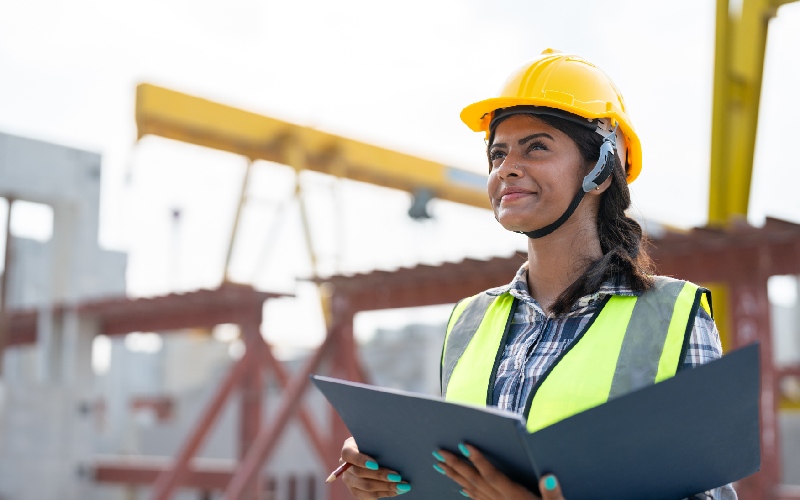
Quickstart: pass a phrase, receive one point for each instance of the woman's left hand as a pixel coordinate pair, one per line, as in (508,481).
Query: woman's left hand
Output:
(485,482)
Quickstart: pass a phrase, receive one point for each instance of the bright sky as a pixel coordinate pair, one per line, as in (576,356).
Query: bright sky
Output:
(394,74)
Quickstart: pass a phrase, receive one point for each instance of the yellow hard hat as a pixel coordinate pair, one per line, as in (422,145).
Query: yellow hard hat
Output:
(566,82)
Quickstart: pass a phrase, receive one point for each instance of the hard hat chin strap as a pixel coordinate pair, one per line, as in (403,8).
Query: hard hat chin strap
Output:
(598,175)
(539,233)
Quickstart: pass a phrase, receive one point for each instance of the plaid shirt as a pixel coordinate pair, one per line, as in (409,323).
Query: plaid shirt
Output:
(535,340)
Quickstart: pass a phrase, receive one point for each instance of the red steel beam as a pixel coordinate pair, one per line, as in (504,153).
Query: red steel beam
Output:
(319,443)
(337,489)
(729,261)
(196,317)
(790,371)
(264,444)
(347,365)
(204,474)
(172,477)
(146,472)
(22,328)
(749,306)
(251,386)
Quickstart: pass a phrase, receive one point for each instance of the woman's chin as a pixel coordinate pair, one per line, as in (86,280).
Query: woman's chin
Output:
(514,220)
(517,227)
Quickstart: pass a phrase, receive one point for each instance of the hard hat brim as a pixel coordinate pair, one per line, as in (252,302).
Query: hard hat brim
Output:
(477,117)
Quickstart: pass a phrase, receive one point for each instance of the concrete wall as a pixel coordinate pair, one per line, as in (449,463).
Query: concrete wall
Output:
(406,359)
(46,433)
(71,266)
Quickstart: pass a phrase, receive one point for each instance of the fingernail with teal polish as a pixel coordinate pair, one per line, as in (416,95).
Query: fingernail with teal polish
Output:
(439,469)
(438,457)
(403,488)
(395,478)
(550,483)
(464,450)
(371,465)
(464,493)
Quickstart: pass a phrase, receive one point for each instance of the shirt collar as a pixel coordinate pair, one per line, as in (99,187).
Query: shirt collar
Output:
(616,285)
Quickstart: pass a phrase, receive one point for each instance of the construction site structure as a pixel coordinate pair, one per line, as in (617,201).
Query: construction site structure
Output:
(733,257)
(703,255)
(707,256)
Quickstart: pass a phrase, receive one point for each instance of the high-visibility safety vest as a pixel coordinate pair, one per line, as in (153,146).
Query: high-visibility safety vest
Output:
(630,343)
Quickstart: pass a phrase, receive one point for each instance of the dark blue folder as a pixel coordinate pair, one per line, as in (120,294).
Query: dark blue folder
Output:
(691,433)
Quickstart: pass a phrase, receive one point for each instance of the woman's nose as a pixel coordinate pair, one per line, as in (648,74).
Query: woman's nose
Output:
(510,168)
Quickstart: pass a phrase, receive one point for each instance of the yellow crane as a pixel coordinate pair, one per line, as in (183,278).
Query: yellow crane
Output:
(175,115)
(741,41)
(186,118)
(740,45)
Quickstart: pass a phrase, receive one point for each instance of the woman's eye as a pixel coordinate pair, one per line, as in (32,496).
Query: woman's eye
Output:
(537,146)
(496,155)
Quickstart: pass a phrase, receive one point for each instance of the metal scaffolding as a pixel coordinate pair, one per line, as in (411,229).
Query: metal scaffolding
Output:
(742,258)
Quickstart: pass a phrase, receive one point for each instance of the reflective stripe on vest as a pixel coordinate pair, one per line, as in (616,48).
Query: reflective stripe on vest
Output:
(632,342)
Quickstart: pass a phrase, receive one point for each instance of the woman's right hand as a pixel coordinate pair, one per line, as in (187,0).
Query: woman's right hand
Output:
(365,479)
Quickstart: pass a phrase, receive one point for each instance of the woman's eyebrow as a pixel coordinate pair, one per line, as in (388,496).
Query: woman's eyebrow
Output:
(534,136)
(498,145)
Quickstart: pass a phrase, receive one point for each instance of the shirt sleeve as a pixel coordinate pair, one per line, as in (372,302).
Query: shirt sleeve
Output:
(704,346)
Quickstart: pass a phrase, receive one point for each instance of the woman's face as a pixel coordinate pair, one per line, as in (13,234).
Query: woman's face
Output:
(535,172)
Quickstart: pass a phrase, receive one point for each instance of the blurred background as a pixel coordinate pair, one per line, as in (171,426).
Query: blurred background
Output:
(202,202)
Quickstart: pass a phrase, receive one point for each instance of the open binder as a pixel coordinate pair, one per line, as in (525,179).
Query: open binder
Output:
(688,434)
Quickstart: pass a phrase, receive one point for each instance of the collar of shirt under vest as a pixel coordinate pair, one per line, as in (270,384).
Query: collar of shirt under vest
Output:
(518,288)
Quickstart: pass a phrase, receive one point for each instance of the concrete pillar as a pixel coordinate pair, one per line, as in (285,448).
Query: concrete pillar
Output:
(47,438)
(48,346)
(78,333)
(65,265)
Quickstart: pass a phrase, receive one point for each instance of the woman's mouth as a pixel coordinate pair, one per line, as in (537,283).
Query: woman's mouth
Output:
(514,196)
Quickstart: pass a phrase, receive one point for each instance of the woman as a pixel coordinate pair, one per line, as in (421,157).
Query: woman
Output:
(583,321)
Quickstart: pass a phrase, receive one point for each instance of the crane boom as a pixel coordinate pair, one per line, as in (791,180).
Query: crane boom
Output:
(174,115)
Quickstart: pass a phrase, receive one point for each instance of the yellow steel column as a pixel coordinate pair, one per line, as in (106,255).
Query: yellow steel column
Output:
(234,230)
(747,68)
(295,156)
(740,45)
(719,129)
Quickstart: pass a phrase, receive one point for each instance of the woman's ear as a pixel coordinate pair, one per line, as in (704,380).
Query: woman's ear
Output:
(602,187)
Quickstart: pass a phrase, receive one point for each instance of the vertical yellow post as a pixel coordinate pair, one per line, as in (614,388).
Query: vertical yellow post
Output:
(747,69)
(716,195)
(741,41)
(239,207)
(295,156)
(740,45)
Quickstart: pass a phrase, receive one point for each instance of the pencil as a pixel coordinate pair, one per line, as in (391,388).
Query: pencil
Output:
(338,472)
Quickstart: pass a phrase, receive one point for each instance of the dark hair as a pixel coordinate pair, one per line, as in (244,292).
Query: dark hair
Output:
(621,238)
